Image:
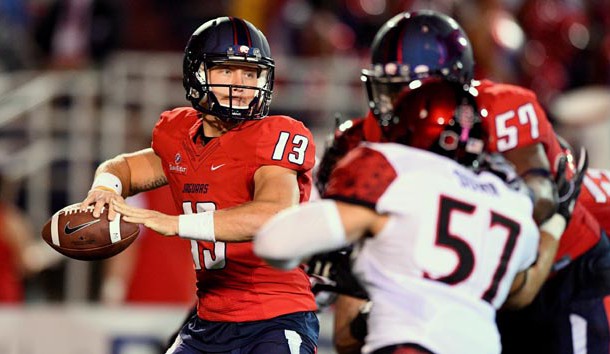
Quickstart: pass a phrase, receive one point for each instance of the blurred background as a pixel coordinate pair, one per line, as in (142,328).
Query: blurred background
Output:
(84,80)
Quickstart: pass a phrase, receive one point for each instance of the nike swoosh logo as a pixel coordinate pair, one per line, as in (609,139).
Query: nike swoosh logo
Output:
(70,230)
(214,168)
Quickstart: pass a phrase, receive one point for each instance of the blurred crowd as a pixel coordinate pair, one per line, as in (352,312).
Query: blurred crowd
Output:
(547,45)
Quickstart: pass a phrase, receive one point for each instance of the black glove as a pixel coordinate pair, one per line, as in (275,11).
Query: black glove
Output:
(568,189)
(332,272)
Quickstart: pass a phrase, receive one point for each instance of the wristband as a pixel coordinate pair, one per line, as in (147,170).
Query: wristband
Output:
(198,226)
(555,226)
(109,182)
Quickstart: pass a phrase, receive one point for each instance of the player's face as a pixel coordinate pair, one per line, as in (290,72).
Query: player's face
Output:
(237,76)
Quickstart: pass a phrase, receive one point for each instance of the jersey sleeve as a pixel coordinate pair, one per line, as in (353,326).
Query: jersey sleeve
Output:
(159,134)
(285,142)
(172,126)
(514,117)
(361,177)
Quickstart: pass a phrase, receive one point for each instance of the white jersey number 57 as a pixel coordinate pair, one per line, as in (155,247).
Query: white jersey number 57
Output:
(506,127)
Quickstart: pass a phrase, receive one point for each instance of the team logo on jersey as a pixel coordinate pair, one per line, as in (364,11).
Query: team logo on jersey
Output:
(176,168)
(201,188)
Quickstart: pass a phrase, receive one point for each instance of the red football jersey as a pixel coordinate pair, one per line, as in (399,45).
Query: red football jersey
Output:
(358,130)
(513,118)
(595,196)
(233,285)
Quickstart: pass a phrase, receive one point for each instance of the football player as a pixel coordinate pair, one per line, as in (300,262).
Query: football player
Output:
(229,167)
(444,242)
(415,50)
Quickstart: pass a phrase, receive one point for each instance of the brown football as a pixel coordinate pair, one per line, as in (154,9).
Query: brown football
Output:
(77,234)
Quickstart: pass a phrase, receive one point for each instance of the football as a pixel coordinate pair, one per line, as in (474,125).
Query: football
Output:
(77,234)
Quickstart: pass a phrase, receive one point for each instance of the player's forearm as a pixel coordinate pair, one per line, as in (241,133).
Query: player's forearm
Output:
(300,232)
(533,165)
(242,222)
(347,308)
(137,172)
(237,224)
(536,274)
(117,167)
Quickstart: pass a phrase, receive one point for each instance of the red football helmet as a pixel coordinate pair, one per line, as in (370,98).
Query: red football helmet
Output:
(439,117)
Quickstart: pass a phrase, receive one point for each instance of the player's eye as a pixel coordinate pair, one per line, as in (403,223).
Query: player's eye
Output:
(250,74)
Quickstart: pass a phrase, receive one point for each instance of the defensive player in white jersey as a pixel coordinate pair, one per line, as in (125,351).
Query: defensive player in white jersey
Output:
(442,246)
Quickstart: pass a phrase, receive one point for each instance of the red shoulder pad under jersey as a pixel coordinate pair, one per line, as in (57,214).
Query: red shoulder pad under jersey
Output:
(286,142)
(354,131)
(349,134)
(361,177)
(595,196)
(512,117)
(174,126)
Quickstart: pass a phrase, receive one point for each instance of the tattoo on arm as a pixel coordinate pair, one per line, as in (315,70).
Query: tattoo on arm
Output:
(161,181)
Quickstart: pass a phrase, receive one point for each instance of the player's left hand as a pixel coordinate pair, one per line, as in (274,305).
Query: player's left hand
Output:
(569,189)
(162,223)
(332,272)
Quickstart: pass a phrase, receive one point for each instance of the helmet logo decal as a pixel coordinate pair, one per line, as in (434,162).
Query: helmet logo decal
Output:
(448,140)
(391,69)
(244,49)
(421,69)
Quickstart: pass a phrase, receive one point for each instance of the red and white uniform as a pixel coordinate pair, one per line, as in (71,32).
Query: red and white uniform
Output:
(448,254)
(513,118)
(233,285)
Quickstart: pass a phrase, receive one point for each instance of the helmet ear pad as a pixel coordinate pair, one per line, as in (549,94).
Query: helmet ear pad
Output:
(439,117)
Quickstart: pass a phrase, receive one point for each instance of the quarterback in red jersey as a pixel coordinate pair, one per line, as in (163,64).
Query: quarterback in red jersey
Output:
(229,167)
